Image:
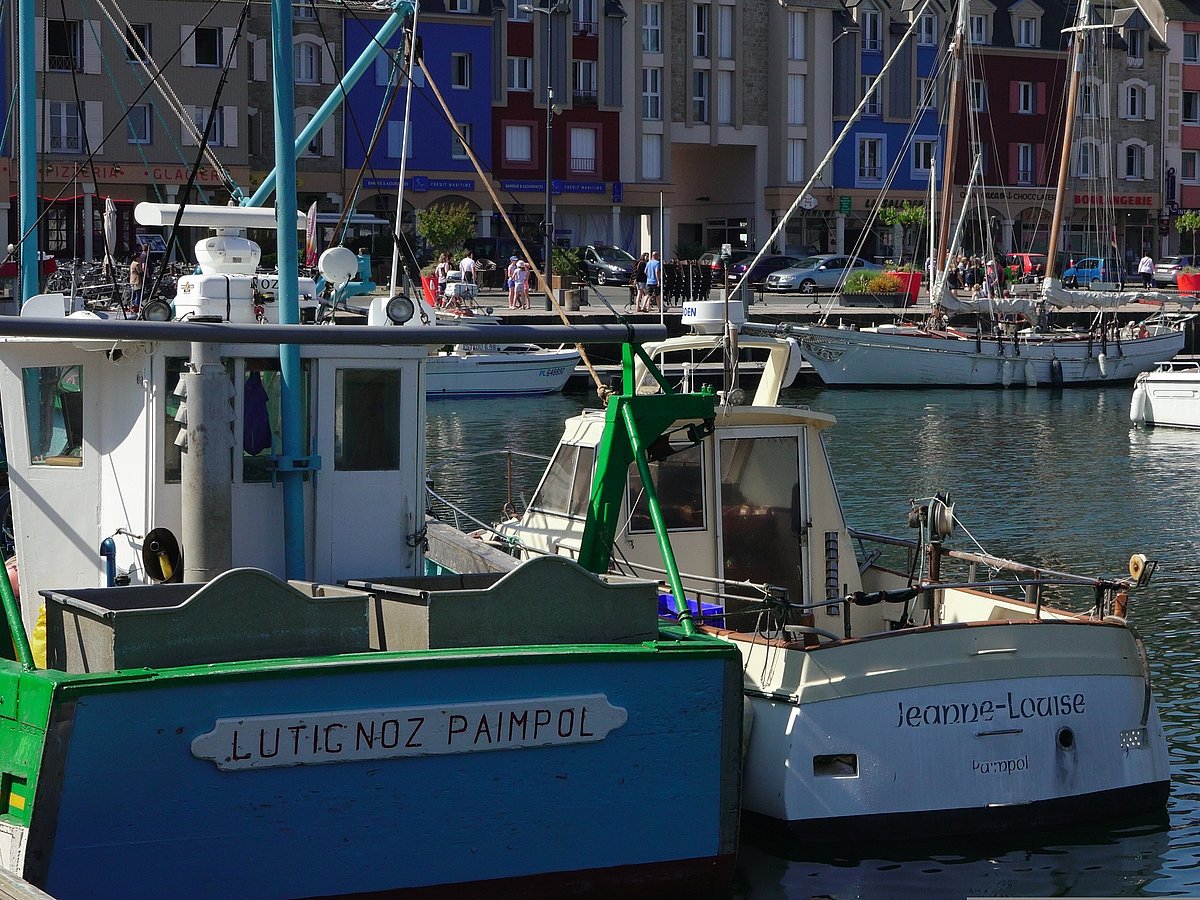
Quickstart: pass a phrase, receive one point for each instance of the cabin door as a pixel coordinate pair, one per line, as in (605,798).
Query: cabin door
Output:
(762,497)
(372,451)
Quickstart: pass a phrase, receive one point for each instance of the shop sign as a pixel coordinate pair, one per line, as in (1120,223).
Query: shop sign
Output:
(1141,201)
(843,204)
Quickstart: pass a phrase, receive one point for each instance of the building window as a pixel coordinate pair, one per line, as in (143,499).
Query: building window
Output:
(207,43)
(460,71)
(652,157)
(1188,171)
(585,16)
(1191,107)
(458,6)
(978,96)
(797,27)
(584,73)
(304,59)
(700,94)
(314,144)
(1135,39)
(725,32)
(652,28)
(583,150)
(1086,166)
(702,22)
(138,121)
(795,161)
(64,46)
(795,99)
(137,43)
(870,159)
(871,91)
(1025,163)
(869,22)
(1026,32)
(520,73)
(63,127)
(979,29)
(396,144)
(724,98)
(1026,97)
(923,153)
(518,143)
(515,13)
(1191,46)
(1134,102)
(652,94)
(927,30)
(200,116)
(458,146)
(1135,158)
(927,93)
(1087,100)
(304,10)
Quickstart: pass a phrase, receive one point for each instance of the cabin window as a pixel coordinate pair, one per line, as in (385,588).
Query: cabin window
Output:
(567,485)
(679,483)
(761,512)
(54,414)
(366,410)
(262,397)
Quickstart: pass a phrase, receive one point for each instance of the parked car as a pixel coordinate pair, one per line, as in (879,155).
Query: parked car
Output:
(1090,270)
(713,260)
(761,269)
(606,264)
(824,272)
(1168,267)
(1026,266)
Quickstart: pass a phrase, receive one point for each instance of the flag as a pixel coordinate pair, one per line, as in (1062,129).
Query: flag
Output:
(1113,237)
(310,237)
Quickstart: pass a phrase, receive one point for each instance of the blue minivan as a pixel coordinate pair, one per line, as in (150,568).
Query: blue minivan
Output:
(1090,270)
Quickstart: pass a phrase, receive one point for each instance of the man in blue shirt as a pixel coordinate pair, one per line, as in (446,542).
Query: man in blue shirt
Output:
(653,281)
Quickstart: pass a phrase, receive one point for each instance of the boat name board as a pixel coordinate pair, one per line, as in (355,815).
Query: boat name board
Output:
(1007,708)
(260,742)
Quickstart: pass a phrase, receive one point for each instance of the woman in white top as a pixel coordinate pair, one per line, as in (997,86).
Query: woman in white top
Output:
(442,272)
(521,280)
(511,282)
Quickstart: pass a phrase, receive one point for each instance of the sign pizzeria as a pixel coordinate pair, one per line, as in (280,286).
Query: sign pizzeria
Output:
(260,742)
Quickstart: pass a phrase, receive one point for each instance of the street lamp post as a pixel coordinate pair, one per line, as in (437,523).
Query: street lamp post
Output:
(557,6)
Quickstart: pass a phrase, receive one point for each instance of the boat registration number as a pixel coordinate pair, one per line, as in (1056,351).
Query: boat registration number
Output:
(259,742)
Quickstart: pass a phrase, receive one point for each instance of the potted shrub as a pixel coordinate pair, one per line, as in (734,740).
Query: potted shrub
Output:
(910,278)
(909,216)
(874,288)
(1188,279)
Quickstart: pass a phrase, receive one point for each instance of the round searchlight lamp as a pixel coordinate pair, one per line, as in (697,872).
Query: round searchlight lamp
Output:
(156,311)
(338,265)
(399,310)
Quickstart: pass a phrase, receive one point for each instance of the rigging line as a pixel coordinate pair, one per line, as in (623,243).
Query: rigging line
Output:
(88,160)
(543,282)
(214,110)
(164,86)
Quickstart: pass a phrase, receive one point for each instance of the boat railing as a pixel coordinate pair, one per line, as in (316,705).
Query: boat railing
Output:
(514,495)
(1174,366)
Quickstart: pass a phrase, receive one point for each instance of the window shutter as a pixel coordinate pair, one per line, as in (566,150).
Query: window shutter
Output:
(1014,163)
(1149,102)
(1014,96)
(328,68)
(228,36)
(187,55)
(42,127)
(230,116)
(186,137)
(327,139)
(93,121)
(394,136)
(91,46)
(1040,89)
(39,43)
(1040,163)
(1148,162)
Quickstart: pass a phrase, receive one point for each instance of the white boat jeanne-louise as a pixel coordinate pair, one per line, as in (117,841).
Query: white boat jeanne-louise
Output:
(996,340)
(200,726)
(1169,395)
(905,690)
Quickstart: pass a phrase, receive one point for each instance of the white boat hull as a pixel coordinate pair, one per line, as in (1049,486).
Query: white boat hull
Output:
(971,730)
(900,358)
(499,373)
(1167,397)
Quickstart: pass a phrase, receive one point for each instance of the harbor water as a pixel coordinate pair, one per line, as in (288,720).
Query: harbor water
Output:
(1054,477)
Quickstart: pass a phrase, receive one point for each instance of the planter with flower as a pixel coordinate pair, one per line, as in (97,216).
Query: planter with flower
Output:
(874,289)
(911,217)
(1188,278)
(910,278)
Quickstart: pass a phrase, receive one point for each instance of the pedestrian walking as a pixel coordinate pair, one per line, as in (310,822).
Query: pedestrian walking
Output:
(653,281)
(137,276)
(466,266)
(639,280)
(1146,270)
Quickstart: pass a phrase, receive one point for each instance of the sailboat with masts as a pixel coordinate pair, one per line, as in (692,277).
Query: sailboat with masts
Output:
(990,337)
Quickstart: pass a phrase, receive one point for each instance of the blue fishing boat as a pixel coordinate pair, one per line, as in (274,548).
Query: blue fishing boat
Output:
(226,669)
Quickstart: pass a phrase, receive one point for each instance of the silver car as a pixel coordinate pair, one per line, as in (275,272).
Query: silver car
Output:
(1168,267)
(824,273)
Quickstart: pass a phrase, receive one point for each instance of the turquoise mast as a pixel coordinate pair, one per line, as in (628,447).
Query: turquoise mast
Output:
(27,150)
(294,461)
